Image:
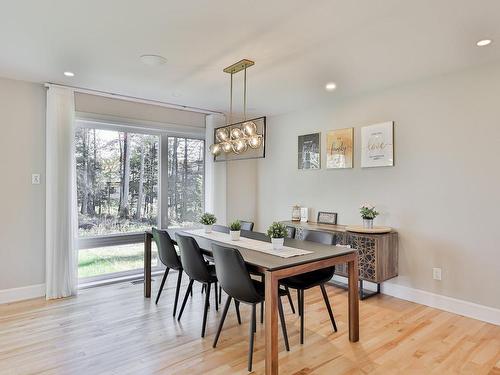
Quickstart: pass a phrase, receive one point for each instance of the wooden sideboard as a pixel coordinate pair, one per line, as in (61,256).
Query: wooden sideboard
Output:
(377,253)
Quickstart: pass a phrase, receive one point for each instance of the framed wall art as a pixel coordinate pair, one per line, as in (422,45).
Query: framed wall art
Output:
(377,145)
(339,148)
(327,218)
(309,151)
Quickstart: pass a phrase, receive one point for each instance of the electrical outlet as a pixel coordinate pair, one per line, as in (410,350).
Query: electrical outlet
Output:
(35,179)
(436,273)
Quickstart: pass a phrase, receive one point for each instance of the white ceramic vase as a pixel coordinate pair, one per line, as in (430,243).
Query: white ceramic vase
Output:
(368,223)
(277,243)
(208,228)
(235,235)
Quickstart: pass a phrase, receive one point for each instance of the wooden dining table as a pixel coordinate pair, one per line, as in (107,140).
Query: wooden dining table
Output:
(276,268)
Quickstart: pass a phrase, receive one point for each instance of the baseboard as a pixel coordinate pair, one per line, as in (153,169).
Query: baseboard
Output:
(22,293)
(438,301)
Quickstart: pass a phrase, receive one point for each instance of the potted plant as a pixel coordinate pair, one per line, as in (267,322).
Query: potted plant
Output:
(368,213)
(235,230)
(277,232)
(208,219)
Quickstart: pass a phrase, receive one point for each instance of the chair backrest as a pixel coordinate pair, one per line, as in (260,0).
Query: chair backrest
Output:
(233,275)
(166,250)
(220,228)
(290,232)
(325,238)
(246,225)
(255,235)
(192,259)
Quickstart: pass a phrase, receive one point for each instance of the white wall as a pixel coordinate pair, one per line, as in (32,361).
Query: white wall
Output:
(442,196)
(22,152)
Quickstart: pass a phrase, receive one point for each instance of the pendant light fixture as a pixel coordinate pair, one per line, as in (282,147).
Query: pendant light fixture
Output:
(238,137)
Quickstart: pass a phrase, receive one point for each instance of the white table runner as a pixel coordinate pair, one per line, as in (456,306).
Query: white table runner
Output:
(248,243)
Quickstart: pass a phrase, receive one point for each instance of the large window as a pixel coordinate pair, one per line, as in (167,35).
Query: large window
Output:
(117,181)
(119,174)
(186,172)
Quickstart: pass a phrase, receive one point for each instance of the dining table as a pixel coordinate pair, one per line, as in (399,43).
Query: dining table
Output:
(274,268)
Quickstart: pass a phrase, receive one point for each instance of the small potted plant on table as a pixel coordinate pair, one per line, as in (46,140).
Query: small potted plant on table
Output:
(208,219)
(235,230)
(277,232)
(368,213)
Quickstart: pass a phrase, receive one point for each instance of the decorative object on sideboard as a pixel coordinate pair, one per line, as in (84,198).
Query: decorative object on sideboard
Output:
(240,140)
(235,230)
(327,218)
(377,145)
(207,220)
(339,148)
(277,232)
(304,214)
(368,213)
(309,151)
(296,213)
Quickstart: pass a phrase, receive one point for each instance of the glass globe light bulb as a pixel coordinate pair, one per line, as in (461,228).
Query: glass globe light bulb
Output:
(255,141)
(215,149)
(249,128)
(222,134)
(226,147)
(239,146)
(236,133)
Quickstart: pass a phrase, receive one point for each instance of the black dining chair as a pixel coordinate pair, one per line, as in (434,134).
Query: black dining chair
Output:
(246,225)
(237,283)
(290,232)
(198,270)
(312,279)
(220,228)
(168,256)
(265,238)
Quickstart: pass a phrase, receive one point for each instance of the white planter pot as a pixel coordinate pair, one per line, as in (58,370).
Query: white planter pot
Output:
(368,223)
(277,243)
(235,235)
(208,228)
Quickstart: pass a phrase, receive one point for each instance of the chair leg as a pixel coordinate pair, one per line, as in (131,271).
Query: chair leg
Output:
(190,286)
(205,311)
(328,306)
(220,293)
(290,299)
(216,297)
(203,287)
(262,313)
(283,324)
(237,306)
(298,301)
(161,285)
(221,323)
(179,278)
(301,316)
(252,330)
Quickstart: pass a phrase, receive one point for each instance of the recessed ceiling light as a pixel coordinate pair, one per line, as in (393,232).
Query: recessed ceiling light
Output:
(330,86)
(153,60)
(484,42)
(69,74)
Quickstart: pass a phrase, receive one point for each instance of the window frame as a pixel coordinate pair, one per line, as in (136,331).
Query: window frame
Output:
(163,134)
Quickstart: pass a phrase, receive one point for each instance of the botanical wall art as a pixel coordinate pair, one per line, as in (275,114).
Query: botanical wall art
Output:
(339,148)
(377,145)
(309,153)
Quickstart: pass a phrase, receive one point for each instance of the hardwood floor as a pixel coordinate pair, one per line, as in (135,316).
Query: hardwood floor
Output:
(114,330)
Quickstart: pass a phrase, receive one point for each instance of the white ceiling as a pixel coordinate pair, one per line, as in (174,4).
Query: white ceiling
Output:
(298,46)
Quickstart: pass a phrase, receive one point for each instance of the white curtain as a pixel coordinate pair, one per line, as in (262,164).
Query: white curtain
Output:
(215,173)
(61,208)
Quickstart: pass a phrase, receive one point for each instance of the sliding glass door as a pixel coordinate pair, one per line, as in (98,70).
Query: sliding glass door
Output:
(119,174)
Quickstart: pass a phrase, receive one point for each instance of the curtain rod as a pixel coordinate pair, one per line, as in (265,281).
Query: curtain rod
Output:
(135,99)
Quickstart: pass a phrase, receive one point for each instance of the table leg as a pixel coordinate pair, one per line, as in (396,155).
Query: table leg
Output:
(271,312)
(147,265)
(353,300)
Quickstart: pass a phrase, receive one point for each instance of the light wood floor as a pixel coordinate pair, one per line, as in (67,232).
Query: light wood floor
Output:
(114,330)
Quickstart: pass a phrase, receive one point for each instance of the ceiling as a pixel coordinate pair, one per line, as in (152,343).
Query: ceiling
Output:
(298,46)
